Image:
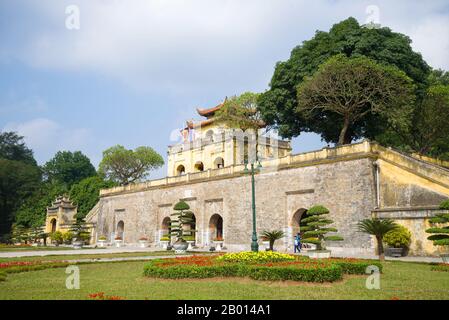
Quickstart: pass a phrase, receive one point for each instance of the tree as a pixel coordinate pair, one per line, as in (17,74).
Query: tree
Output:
(378,228)
(80,229)
(440,234)
(68,168)
(19,178)
(33,211)
(351,92)
(128,166)
(182,217)
(240,112)
(278,105)
(18,181)
(315,226)
(430,132)
(12,147)
(86,193)
(272,236)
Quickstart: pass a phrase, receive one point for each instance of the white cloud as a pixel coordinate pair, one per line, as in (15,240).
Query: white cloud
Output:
(46,137)
(198,45)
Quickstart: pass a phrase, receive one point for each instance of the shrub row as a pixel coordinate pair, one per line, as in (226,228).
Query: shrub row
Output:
(357,266)
(440,267)
(2,276)
(329,273)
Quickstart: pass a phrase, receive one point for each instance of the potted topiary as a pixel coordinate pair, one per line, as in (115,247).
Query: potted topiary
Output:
(440,229)
(182,217)
(102,241)
(315,226)
(57,238)
(218,242)
(398,241)
(118,241)
(143,242)
(164,241)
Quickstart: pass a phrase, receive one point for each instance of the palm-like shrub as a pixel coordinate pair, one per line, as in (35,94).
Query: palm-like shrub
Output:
(272,236)
(378,228)
(440,234)
(315,226)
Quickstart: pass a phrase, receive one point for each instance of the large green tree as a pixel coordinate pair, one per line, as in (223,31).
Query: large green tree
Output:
(348,93)
(86,193)
(278,105)
(127,166)
(19,177)
(68,168)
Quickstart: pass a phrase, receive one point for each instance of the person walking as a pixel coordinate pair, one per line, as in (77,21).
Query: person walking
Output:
(298,243)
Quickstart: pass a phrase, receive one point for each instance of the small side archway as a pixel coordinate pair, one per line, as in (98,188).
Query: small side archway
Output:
(219,163)
(165,227)
(120,229)
(216,227)
(199,166)
(180,170)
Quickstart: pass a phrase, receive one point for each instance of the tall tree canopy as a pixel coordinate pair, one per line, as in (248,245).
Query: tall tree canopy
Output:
(127,166)
(68,168)
(86,193)
(278,105)
(19,177)
(353,92)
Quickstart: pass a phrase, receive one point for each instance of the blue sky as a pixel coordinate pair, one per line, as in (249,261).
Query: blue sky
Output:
(136,70)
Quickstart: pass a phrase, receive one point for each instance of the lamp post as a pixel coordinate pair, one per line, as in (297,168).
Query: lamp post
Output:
(254,244)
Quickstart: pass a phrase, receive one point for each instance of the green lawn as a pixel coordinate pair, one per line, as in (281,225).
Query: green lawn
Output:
(400,280)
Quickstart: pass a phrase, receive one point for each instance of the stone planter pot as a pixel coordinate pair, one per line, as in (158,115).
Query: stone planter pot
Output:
(118,243)
(164,243)
(319,254)
(218,245)
(395,252)
(143,243)
(266,245)
(445,257)
(191,244)
(77,244)
(101,243)
(180,247)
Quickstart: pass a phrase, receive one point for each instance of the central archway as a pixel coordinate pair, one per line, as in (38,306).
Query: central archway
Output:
(215,227)
(53,225)
(296,220)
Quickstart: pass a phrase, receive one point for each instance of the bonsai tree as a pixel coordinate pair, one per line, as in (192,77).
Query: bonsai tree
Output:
(79,229)
(378,228)
(315,226)
(272,236)
(440,232)
(182,217)
(398,238)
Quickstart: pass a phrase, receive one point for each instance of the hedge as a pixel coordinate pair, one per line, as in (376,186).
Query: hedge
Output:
(440,267)
(357,266)
(328,273)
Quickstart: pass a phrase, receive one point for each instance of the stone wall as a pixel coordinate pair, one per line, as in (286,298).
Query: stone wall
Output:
(345,187)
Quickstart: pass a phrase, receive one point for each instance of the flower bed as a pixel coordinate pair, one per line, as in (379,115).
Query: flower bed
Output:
(253,257)
(258,266)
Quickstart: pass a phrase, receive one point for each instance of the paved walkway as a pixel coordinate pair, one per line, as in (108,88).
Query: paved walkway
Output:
(107,250)
(112,250)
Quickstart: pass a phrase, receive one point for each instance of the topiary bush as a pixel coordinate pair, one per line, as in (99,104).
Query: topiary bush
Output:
(398,238)
(440,230)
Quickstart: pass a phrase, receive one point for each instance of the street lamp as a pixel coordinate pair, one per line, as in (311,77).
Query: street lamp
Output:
(254,244)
